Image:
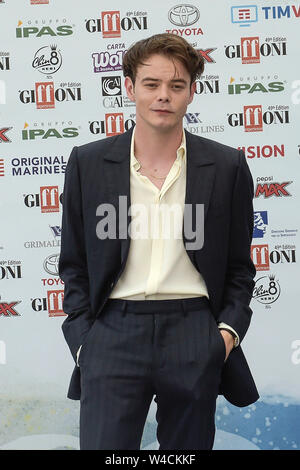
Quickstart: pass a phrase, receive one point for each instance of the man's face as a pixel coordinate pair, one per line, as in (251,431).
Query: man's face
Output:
(162,92)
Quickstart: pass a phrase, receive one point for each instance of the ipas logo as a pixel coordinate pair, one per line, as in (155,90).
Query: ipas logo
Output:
(260,224)
(113,124)
(112,25)
(183,17)
(52,303)
(47,199)
(243,88)
(41,31)
(45,94)
(41,133)
(253,118)
(267,187)
(250,50)
(263,151)
(47,59)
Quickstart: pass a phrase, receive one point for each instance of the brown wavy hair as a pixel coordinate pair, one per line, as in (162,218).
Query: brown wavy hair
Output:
(170,45)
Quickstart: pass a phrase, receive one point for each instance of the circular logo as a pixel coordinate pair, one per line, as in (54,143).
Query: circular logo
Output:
(51,264)
(266,290)
(47,59)
(184,15)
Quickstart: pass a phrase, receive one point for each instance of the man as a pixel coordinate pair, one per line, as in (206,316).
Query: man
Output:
(154,315)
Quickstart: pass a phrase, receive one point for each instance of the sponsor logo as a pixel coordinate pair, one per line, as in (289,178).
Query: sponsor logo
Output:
(41,133)
(267,289)
(7,309)
(37,31)
(113,124)
(277,12)
(3,136)
(208,84)
(112,25)
(4,61)
(240,88)
(112,93)
(55,230)
(206,54)
(48,199)
(45,95)
(110,60)
(267,189)
(10,269)
(30,166)
(2,167)
(260,224)
(250,50)
(51,264)
(183,15)
(260,257)
(193,124)
(264,151)
(279,233)
(283,254)
(253,117)
(47,59)
(52,303)
(244,14)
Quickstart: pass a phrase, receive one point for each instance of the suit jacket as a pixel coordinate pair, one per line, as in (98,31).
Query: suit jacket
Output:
(218,177)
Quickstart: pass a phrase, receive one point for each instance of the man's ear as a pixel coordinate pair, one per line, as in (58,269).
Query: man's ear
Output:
(192,92)
(129,88)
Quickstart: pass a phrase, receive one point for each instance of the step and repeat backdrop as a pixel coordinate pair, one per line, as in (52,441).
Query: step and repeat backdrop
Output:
(61,85)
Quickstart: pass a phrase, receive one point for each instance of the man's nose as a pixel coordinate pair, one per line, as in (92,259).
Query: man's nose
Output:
(163,94)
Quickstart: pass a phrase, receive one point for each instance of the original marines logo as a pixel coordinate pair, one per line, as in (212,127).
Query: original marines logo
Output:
(47,59)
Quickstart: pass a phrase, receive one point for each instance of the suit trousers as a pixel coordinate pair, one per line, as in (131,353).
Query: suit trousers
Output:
(171,350)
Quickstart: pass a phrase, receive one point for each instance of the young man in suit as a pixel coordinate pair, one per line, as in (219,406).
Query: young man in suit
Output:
(151,315)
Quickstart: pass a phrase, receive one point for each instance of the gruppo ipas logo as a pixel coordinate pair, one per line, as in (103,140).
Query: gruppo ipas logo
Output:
(61,28)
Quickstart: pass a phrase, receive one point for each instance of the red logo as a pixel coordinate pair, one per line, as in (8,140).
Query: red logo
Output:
(1,166)
(3,137)
(114,124)
(55,303)
(250,50)
(110,23)
(8,310)
(253,118)
(49,199)
(44,92)
(260,257)
(272,189)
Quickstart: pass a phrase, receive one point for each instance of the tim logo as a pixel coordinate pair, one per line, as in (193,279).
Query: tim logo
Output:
(114,124)
(110,23)
(7,309)
(260,224)
(272,189)
(260,257)
(250,50)
(55,303)
(244,14)
(49,198)
(44,92)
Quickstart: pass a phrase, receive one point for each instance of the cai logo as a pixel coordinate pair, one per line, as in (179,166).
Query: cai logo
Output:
(260,257)
(266,289)
(183,15)
(7,309)
(253,118)
(244,14)
(47,59)
(111,86)
(260,224)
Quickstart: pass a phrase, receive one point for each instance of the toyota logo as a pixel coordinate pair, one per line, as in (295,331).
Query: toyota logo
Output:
(184,15)
(51,264)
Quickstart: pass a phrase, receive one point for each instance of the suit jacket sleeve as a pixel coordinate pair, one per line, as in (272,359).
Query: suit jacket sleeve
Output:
(72,263)
(239,282)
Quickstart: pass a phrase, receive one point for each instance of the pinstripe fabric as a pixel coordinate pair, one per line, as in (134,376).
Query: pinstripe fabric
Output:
(170,349)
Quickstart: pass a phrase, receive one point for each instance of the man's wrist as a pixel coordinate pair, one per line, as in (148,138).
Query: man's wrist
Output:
(236,341)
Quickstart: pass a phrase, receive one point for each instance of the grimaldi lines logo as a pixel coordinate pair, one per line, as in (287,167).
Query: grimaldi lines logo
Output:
(109,60)
(254,118)
(112,124)
(184,19)
(38,28)
(251,50)
(46,94)
(48,199)
(112,25)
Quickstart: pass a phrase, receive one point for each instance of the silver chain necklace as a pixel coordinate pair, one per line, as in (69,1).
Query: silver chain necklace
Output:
(153,176)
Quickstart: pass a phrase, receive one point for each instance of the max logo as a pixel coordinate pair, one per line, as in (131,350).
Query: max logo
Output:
(272,189)
(8,310)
